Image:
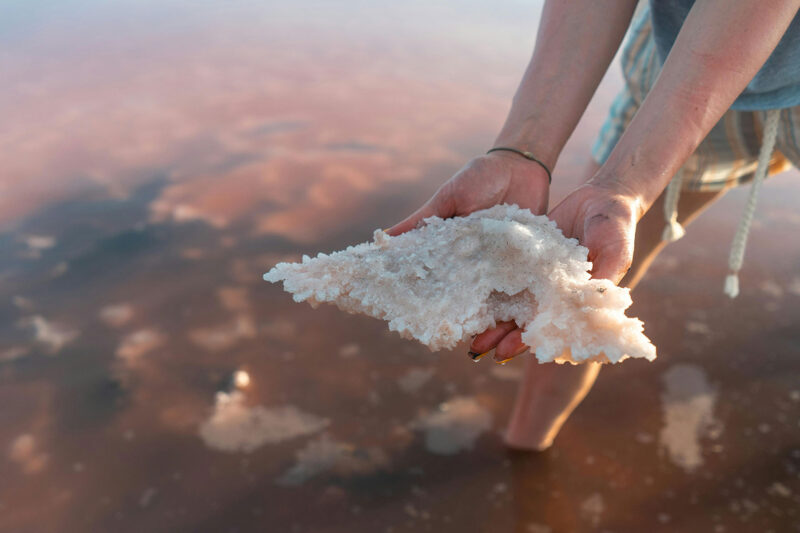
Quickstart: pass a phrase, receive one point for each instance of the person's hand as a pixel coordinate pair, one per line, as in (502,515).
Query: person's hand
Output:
(488,180)
(603,220)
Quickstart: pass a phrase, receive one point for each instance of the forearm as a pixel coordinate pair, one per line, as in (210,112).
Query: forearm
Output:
(719,49)
(574,46)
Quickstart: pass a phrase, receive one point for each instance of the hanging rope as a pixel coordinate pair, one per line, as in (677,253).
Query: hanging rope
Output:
(740,239)
(673,229)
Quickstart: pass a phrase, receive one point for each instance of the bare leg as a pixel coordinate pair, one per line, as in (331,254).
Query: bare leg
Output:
(549,393)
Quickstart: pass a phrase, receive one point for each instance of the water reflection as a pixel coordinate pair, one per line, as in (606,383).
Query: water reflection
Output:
(158,157)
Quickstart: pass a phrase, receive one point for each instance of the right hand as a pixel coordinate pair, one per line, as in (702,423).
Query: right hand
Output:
(603,220)
(487,180)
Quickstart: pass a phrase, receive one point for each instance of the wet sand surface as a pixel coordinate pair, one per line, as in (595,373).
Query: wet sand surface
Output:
(159,157)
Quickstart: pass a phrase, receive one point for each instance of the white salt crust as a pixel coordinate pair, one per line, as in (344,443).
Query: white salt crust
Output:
(453,278)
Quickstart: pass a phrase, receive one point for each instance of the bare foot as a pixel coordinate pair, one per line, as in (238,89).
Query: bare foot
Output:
(546,397)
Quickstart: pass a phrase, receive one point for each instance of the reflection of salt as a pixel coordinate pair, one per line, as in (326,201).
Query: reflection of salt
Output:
(794,286)
(22,303)
(59,270)
(224,336)
(116,315)
(162,210)
(236,427)
(454,426)
(592,508)
(193,254)
(695,326)
(666,262)
(147,497)
(54,336)
(779,489)
(139,343)
(413,380)
(280,329)
(688,404)
(233,298)
(326,455)
(23,451)
(349,350)
(40,242)
(770,288)
(15,352)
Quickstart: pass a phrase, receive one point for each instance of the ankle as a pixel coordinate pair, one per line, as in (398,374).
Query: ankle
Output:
(527,441)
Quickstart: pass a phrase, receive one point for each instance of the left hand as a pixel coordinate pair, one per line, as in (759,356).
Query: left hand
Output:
(603,220)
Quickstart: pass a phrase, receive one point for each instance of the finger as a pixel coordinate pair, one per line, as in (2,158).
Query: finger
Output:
(510,346)
(436,206)
(489,338)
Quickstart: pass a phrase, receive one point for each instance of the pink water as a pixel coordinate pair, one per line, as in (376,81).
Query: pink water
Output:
(157,158)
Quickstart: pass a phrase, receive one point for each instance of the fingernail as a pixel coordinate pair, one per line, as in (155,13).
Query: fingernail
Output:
(476,356)
(504,361)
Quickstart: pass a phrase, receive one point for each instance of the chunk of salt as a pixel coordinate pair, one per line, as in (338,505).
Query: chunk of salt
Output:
(453,278)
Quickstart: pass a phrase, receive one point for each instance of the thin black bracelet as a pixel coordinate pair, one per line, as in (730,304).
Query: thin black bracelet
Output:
(526,155)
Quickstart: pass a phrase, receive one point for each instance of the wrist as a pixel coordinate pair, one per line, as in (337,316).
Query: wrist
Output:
(655,145)
(616,187)
(526,136)
(513,165)
(526,155)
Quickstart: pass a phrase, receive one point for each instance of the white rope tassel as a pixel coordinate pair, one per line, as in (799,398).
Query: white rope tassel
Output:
(673,229)
(740,239)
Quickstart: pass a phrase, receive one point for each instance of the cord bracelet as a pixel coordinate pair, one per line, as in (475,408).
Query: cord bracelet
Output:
(527,155)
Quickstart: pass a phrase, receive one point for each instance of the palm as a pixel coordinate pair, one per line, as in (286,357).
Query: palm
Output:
(484,182)
(602,222)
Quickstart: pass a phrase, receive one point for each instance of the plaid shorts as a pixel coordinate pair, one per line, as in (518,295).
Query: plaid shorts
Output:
(729,153)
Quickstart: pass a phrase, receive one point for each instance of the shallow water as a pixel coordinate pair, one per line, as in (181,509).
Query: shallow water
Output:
(159,157)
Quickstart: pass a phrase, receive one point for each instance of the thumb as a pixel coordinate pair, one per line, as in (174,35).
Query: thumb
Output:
(612,261)
(433,207)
